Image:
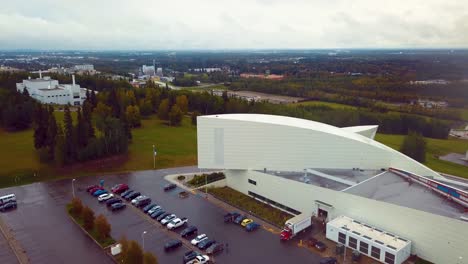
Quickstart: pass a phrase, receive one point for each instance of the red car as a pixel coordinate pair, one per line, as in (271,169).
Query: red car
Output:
(88,189)
(92,190)
(119,188)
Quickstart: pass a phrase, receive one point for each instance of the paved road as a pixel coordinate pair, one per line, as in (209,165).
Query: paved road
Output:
(6,254)
(41,224)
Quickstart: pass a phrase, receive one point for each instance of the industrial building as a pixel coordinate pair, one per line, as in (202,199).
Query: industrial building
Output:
(49,91)
(345,177)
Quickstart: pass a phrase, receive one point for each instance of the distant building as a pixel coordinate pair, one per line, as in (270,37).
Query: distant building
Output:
(49,91)
(159,72)
(8,69)
(148,70)
(432,104)
(426,82)
(207,70)
(84,67)
(262,76)
(166,79)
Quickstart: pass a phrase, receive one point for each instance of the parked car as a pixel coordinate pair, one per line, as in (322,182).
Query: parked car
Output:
(311,241)
(252,227)
(143,202)
(117,206)
(162,216)
(198,239)
(328,260)
(169,187)
(138,198)
(168,219)
(148,207)
(157,213)
(245,222)
(320,246)
(176,223)
(88,189)
(229,217)
(93,190)
(8,206)
(173,244)
(113,201)
(154,209)
(132,196)
(200,259)
(183,194)
(215,248)
(126,192)
(99,192)
(119,188)
(189,255)
(187,232)
(205,244)
(105,197)
(239,219)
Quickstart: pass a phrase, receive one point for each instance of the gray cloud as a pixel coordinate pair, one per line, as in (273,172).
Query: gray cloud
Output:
(222,24)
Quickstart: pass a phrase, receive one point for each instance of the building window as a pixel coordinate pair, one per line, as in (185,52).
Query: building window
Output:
(352,242)
(342,238)
(364,247)
(389,258)
(252,182)
(375,252)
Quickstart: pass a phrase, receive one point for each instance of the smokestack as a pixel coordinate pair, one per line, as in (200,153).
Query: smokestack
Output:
(40,74)
(73,79)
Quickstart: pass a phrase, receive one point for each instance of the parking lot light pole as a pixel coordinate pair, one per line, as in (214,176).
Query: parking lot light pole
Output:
(73,187)
(154,157)
(143,239)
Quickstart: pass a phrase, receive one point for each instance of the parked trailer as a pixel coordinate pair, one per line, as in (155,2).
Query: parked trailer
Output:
(295,225)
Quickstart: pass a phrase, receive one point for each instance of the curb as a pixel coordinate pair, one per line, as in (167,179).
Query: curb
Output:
(19,252)
(90,236)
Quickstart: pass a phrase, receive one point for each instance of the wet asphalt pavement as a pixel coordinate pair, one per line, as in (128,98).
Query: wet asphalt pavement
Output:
(41,225)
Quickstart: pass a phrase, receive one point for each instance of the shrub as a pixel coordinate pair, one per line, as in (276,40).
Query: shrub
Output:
(88,218)
(149,258)
(103,227)
(181,177)
(199,180)
(134,253)
(76,207)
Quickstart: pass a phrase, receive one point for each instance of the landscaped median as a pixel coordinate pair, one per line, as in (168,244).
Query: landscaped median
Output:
(249,204)
(202,179)
(97,227)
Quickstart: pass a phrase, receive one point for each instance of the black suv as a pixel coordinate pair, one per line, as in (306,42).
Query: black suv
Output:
(173,244)
(188,256)
(7,206)
(143,202)
(132,196)
(187,232)
(113,201)
(169,187)
(328,260)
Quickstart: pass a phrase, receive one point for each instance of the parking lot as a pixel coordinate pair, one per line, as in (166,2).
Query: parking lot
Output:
(260,246)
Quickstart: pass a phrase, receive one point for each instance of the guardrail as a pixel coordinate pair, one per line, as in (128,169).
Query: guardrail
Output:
(452,193)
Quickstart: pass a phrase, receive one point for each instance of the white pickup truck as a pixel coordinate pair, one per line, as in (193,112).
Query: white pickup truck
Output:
(178,222)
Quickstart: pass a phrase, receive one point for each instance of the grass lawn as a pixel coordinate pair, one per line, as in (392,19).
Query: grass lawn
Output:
(329,104)
(249,204)
(435,147)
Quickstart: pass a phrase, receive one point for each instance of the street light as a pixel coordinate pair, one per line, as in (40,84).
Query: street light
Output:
(73,187)
(154,157)
(143,238)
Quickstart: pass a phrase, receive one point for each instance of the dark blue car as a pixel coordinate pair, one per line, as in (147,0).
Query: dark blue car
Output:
(252,227)
(99,192)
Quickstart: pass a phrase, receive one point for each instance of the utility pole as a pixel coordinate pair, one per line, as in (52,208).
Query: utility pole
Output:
(73,187)
(143,238)
(154,157)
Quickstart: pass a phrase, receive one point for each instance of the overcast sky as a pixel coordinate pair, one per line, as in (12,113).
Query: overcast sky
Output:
(232,24)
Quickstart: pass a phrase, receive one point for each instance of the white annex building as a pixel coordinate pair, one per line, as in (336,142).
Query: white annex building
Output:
(375,199)
(49,91)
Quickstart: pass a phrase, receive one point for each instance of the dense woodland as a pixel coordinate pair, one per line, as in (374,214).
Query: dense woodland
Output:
(103,124)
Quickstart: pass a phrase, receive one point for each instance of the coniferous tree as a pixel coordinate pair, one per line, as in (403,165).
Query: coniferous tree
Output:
(59,151)
(51,134)
(69,136)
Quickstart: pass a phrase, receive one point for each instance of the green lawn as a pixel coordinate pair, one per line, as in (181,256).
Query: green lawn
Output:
(435,147)
(320,103)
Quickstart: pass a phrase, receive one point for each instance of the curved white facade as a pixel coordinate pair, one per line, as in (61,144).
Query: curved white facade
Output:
(256,142)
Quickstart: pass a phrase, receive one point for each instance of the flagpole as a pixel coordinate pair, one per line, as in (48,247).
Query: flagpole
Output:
(154,158)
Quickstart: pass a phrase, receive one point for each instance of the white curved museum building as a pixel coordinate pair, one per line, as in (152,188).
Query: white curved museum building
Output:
(307,167)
